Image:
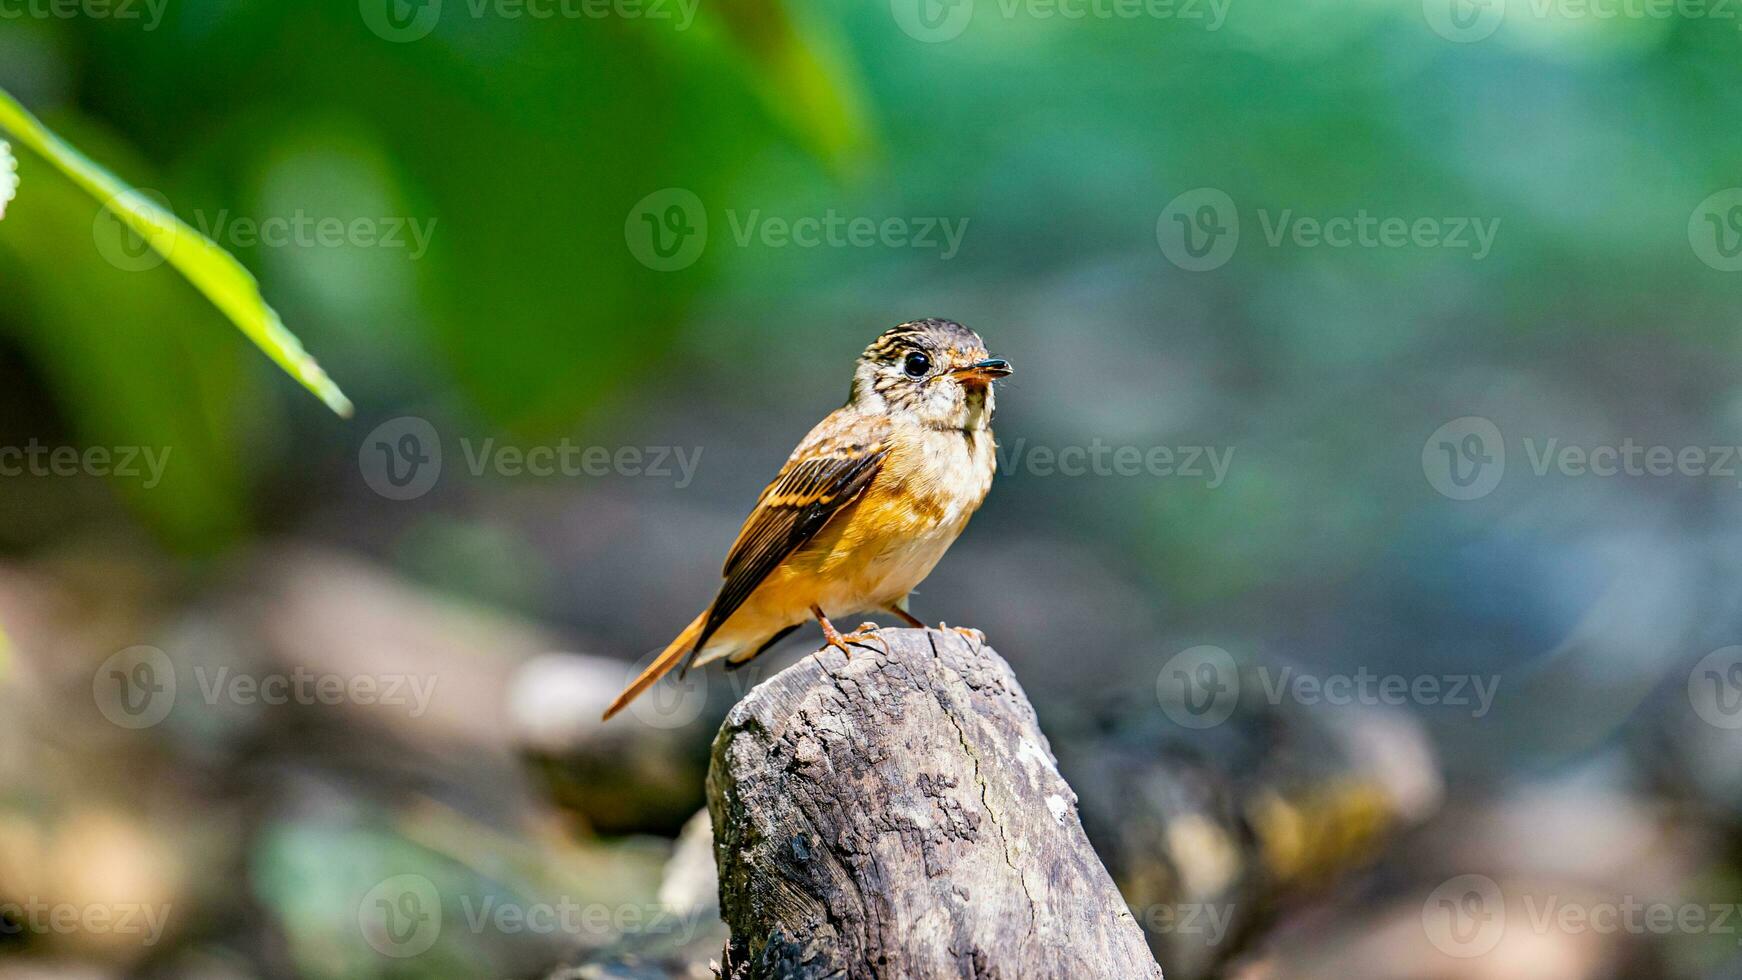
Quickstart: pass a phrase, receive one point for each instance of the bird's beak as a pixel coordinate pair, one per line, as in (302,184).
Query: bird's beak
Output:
(985,371)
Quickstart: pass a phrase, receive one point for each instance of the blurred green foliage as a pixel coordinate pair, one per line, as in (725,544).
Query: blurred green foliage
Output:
(520,144)
(526,302)
(211,269)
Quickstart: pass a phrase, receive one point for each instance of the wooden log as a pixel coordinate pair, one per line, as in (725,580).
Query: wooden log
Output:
(900,814)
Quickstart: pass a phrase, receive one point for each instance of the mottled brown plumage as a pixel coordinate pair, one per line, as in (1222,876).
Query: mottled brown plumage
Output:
(864,507)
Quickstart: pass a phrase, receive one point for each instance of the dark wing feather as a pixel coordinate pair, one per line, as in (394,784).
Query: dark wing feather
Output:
(824,475)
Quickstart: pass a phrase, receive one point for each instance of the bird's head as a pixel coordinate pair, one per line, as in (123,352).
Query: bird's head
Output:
(935,371)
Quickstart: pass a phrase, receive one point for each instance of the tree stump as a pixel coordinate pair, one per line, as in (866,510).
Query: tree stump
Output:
(899,814)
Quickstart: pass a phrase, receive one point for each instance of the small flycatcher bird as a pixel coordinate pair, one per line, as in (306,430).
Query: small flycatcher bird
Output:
(863,508)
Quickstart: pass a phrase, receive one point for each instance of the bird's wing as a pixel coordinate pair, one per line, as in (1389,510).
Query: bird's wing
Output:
(828,471)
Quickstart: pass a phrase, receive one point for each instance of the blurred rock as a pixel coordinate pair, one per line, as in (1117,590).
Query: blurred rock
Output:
(263,816)
(635,773)
(1568,878)
(692,879)
(1215,831)
(689,891)
(344,618)
(1403,940)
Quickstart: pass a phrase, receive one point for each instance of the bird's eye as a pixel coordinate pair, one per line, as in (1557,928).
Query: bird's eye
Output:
(917,365)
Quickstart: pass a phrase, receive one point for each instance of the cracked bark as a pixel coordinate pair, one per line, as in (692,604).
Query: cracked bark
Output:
(900,814)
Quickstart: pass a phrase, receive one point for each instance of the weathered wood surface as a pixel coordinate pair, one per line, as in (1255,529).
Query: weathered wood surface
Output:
(899,814)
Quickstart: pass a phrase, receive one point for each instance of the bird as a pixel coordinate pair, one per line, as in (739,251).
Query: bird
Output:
(863,509)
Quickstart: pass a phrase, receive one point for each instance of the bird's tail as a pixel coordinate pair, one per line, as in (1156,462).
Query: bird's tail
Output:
(662,665)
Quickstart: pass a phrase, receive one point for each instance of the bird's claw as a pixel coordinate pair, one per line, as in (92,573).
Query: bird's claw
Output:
(865,633)
(862,636)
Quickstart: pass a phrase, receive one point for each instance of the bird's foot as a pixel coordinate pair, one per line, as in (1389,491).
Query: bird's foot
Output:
(865,634)
(845,642)
(973,635)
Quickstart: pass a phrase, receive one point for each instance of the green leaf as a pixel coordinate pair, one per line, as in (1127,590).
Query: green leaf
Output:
(132,360)
(212,270)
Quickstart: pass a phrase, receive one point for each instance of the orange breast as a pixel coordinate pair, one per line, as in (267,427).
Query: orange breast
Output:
(877,549)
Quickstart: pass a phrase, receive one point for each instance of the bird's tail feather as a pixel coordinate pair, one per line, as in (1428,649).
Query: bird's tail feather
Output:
(662,665)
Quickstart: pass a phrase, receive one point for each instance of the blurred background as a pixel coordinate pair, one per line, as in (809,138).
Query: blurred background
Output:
(1366,534)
